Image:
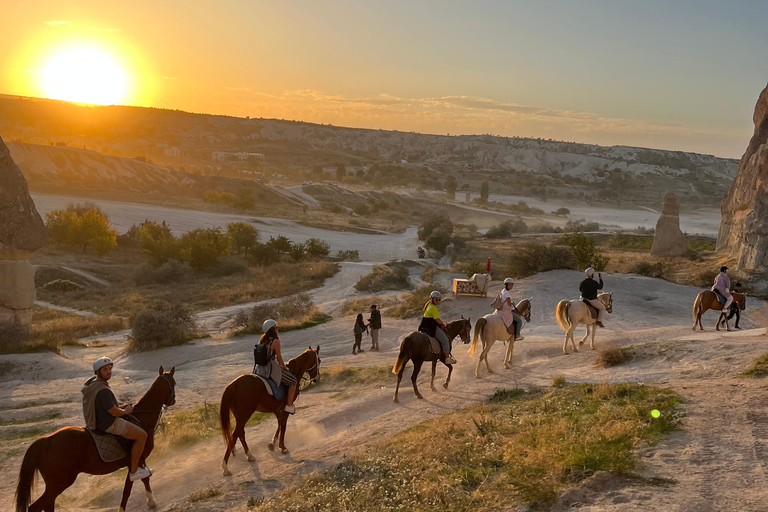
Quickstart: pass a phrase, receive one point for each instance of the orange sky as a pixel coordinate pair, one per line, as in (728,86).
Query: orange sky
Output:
(655,76)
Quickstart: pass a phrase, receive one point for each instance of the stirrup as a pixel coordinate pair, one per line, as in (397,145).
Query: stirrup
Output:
(290,409)
(450,360)
(599,324)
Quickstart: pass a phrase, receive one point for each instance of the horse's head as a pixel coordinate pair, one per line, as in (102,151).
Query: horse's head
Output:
(314,361)
(169,397)
(607,299)
(524,307)
(466,328)
(741,300)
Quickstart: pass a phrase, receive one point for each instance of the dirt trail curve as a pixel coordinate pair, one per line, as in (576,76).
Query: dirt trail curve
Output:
(717,460)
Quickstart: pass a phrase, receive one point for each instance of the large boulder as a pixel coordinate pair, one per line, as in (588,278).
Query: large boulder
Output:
(743,234)
(21,233)
(668,239)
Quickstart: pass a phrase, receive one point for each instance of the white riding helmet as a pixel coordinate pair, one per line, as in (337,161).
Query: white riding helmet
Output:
(509,280)
(101,363)
(267,325)
(590,271)
(435,295)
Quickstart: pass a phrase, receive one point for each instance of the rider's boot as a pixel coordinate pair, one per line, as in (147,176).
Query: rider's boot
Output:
(449,359)
(140,473)
(290,409)
(599,324)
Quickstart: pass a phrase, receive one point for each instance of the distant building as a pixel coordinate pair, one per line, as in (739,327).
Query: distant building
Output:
(174,151)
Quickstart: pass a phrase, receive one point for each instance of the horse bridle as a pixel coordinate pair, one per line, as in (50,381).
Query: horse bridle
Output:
(311,379)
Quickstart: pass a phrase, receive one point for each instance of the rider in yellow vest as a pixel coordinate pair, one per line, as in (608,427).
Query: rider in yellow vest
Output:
(431,323)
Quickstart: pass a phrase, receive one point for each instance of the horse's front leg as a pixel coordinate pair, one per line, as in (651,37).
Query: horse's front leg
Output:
(148,491)
(432,381)
(448,378)
(414,376)
(126,492)
(508,353)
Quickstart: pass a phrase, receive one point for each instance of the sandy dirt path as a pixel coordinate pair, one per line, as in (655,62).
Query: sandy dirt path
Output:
(717,460)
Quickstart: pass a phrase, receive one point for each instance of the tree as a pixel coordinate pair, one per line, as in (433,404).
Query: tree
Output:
(58,223)
(341,171)
(378,181)
(279,244)
(585,253)
(562,212)
(243,236)
(317,248)
(484,191)
(450,186)
(82,225)
(202,248)
(435,224)
(157,242)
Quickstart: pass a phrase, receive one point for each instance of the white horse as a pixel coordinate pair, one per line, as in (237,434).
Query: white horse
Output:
(490,328)
(571,313)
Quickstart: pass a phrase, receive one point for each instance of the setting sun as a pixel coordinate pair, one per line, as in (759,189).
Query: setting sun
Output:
(84,75)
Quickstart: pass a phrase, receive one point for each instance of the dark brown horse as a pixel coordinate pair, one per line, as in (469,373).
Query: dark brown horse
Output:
(61,456)
(708,300)
(247,394)
(416,347)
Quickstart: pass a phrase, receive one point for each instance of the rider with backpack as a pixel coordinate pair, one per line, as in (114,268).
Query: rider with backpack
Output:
(268,362)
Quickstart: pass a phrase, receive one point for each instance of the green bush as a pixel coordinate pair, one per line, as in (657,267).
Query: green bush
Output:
(62,285)
(316,248)
(507,228)
(243,236)
(172,271)
(157,242)
(162,324)
(584,252)
(648,269)
(438,241)
(438,223)
(82,225)
(263,255)
(384,277)
(202,248)
(530,258)
(348,255)
(280,244)
(637,243)
(475,267)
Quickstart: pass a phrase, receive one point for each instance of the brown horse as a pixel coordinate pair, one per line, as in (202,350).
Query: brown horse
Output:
(247,394)
(416,347)
(61,456)
(708,300)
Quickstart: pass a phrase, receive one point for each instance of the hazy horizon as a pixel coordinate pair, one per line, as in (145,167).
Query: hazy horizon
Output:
(679,77)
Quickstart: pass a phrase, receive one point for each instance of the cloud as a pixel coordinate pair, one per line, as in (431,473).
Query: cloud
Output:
(56,23)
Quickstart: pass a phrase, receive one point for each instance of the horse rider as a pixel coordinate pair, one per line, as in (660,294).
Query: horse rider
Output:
(276,369)
(102,414)
(508,312)
(722,286)
(589,288)
(431,324)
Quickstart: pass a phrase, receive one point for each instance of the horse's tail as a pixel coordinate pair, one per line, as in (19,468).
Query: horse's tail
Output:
(27,473)
(479,325)
(697,305)
(402,358)
(227,401)
(561,314)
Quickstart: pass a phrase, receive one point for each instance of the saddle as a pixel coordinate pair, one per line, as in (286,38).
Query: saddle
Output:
(109,446)
(593,311)
(434,345)
(720,297)
(276,391)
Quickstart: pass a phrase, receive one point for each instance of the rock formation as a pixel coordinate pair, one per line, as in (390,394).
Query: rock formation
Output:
(22,232)
(743,234)
(668,239)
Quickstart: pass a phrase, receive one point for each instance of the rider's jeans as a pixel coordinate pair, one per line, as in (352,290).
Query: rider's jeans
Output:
(443,339)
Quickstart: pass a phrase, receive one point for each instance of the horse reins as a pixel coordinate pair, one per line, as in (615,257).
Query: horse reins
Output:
(317,363)
(165,405)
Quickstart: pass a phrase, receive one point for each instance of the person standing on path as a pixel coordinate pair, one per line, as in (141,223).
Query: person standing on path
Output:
(374,323)
(358,330)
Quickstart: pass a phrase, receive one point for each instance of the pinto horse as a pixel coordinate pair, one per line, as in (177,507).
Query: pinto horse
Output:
(707,299)
(491,328)
(61,456)
(416,347)
(247,394)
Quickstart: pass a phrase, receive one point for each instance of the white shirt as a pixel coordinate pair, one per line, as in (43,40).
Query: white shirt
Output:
(505,296)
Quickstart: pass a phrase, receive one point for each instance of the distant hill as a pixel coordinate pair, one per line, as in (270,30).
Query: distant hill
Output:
(514,165)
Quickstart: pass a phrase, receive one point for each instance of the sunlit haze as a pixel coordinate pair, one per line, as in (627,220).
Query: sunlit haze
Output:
(675,75)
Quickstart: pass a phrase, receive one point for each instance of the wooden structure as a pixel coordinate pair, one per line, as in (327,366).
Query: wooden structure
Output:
(477,286)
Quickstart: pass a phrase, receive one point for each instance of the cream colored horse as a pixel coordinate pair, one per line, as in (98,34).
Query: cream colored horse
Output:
(571,313)
(490,328)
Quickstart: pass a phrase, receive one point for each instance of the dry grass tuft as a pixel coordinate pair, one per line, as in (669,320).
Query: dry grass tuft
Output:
(385,277)
(521,447)
(611,355)
(363,304)
(558,381)
(292,313)
(759,368)
(340,374)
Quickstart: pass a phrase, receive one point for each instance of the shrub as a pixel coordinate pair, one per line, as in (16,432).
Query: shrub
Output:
(584,252)
(202,248)
(129,239)
(362,209)
(505,229)
(533,257)
(612,355)
(335,208)
(157,242)
(172,271)
(701,244)
(384,278)
(705,279)
(62,286)
(317,248)
(229,267)
(562,212)
(262,254)
(475,267)
(162,324)
(648,269)
(640,243)
(348,255)
(439,223)
(581,226)
(298,251)
(438,241)
(82,225)
(242,236)
(295,312)
(412,304)
(280,244)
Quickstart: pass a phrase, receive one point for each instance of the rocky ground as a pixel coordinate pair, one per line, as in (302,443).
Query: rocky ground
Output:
(715,462)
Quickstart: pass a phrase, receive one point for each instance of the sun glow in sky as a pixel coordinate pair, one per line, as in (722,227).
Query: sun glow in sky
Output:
(84,75)
(680,75)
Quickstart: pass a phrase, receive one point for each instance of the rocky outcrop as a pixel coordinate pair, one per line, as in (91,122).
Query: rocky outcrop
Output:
(668,239)
(743,234)
(21,233)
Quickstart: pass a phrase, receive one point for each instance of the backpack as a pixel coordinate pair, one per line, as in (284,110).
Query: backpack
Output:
(261,355)
(497,304)
(357,329)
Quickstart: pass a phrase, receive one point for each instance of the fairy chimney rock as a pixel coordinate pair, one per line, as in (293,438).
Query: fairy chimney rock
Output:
(22,232)
(743,236)
(668,239)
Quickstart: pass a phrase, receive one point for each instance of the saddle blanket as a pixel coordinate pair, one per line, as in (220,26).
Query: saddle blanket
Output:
(275,391)
(593,311)
(110,447)
(434,345)
(720,297)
